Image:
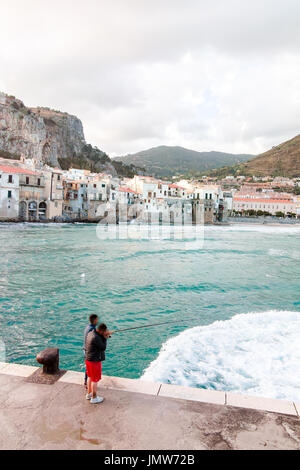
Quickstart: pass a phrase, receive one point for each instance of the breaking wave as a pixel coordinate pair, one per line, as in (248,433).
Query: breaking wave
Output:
(254,354)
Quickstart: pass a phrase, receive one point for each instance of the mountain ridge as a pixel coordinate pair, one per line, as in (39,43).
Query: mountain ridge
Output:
(168,161)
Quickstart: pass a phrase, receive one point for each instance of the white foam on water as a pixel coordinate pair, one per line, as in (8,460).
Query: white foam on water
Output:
(276,253)
(262,228)
(253,354)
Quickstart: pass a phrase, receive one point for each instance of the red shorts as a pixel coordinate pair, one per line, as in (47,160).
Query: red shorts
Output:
(93,370)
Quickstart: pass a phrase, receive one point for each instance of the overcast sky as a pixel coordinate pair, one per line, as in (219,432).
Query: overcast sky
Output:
(204,74)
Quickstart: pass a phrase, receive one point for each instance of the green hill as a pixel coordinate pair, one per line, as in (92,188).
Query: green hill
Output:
(166,161)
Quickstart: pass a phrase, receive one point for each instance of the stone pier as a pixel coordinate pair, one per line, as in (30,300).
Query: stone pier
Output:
(137,415)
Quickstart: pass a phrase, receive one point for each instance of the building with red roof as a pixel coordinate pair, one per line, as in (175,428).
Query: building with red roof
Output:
(264,204)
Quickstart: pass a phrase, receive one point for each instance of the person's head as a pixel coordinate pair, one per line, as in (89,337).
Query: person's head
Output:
(102,329)
(94,319)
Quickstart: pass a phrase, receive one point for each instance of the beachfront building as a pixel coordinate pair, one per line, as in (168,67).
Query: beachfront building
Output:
(97,196)
(9,193)
(272,205)
(128,196)
(212,193)
(97,190)
(32,196)
(149,187)
(54,193)
(76,174)
(228,200)
(129,204)
(75,199)
(174,190)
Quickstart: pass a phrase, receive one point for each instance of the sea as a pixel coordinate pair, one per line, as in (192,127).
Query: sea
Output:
(231,303)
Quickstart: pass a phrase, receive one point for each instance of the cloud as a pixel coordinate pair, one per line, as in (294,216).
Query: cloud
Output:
(207,75)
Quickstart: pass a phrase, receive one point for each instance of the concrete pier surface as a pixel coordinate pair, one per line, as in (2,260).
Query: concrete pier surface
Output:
(137,415)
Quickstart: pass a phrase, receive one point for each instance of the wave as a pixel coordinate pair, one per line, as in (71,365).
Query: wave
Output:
(253,354)
(267,228)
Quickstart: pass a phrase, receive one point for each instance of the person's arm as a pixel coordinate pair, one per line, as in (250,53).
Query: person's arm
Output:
(108,334)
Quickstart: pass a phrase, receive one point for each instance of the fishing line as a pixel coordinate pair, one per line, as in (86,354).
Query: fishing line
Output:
(149,326)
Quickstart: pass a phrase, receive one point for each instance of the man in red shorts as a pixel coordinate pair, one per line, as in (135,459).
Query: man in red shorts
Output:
(95,354)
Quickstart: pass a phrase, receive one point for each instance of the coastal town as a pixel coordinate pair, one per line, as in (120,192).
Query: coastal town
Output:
(31,191)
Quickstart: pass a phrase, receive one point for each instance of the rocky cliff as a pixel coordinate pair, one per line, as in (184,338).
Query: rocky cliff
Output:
(39,133)
(51,137)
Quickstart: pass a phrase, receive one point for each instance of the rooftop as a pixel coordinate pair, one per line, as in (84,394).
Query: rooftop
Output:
(14,169)
(127,190)
(265,200)
(137,415)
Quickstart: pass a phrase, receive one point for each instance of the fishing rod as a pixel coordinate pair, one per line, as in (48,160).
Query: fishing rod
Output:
(145,326)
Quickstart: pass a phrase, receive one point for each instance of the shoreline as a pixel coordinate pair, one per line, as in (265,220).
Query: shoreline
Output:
(96,222)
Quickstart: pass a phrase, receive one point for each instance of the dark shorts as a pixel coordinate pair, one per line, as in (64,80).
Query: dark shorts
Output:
(93,370)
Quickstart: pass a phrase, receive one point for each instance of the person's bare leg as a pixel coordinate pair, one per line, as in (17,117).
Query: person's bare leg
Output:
(94,389)
(89,384)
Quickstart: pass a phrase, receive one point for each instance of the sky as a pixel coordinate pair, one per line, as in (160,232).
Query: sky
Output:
(207,75)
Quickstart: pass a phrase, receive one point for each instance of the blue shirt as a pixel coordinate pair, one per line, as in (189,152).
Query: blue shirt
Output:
(89,328)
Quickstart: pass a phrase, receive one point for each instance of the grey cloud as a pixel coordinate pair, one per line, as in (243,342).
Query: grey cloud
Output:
(215,74)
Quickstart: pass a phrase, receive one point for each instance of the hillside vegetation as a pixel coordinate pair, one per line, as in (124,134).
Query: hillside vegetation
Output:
(167,161)
(283,160)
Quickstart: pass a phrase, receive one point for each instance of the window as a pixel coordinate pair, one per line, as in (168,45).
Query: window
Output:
(27,179)
(95,186)
(58,177)
(9,194)
(10,179)
(39,181)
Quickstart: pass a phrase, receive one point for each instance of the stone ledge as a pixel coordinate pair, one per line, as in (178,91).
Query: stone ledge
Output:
(115,383)
(168,391)
(263,404)
(17,370)
(72,377)
(130,385)
(193,394)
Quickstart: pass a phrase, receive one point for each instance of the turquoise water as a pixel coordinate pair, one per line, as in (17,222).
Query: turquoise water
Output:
(45,300)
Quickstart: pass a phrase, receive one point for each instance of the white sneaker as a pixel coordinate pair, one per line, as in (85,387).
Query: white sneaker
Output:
(89,396)
(97,400)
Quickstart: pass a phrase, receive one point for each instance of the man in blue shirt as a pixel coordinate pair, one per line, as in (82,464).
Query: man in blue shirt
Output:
(92,326)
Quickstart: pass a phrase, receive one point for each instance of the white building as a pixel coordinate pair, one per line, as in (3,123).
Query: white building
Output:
(174,190)
(213,193)
(274,205)
(9,192)
(150,188)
